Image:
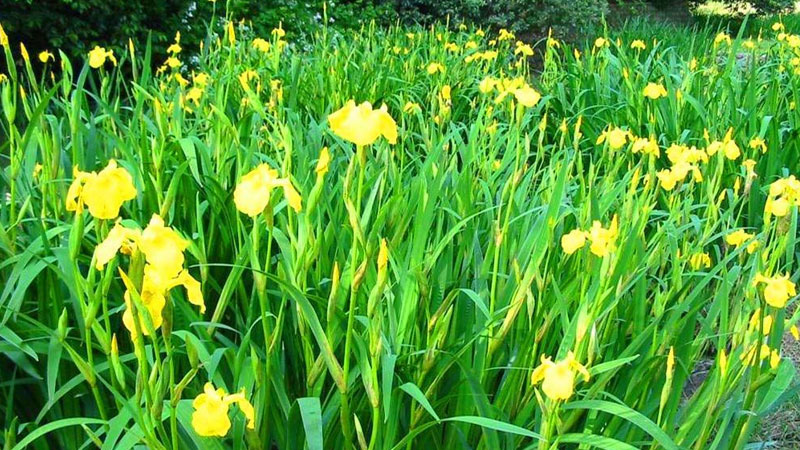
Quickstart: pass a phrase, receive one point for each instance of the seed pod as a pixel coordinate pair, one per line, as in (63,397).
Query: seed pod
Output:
(358,277)
(333,297)
(62,325)
(116,365)
(76,236)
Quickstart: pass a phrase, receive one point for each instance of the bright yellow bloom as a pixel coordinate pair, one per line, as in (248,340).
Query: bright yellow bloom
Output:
(103,193)
(174,49)
(647,146)
(756,322)
(251,195)
(173,62)
(362,125)
(278,32)
(654,91)
(210,416)
(487,85)
(758,143)
(3,37)
(193,95)
(638,44)
(153,299)
(722,37)
(434,67)
(699,260)
(230,32)
(162,247)
(323,162)
(118,239)
(616,137)
(261,45)
(383,256)
(573,241)
(778,289)
(558,378)
(783,194)
(445,92)
(527,96)
(411,107)
(739,237)
(602,239)
(600,42)
(200,79)
(524,49)
(45,56)
(505,35)
(749,357)
(246,76)
(98,56)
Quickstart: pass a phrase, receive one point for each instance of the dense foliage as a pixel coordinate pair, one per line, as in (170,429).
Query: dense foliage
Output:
(75,26)
(242,254)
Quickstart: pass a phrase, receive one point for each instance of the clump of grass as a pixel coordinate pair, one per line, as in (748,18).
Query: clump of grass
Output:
(488,261)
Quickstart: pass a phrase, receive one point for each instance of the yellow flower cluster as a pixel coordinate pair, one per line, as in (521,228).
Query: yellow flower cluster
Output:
(488,55)
(749,357)
(602,240)
(783,194)
(739,237)
(163,250)
(103,193)
(524,94)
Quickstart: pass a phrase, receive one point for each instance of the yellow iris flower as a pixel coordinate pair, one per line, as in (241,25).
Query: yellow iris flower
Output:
(558,378)
(251,195)
(363,125)
(210,416)
(778,290)
(103,193)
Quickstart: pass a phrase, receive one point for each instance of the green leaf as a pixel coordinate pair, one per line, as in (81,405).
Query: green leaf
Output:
(415,392)
(624,412)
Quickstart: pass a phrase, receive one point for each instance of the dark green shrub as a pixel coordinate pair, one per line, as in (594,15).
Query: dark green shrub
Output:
(75,26)
(566,18)
(760,6)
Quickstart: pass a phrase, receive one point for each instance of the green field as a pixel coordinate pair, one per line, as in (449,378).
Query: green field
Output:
(403,238)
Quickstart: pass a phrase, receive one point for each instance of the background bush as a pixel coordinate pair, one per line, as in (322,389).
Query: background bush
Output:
(75,26)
